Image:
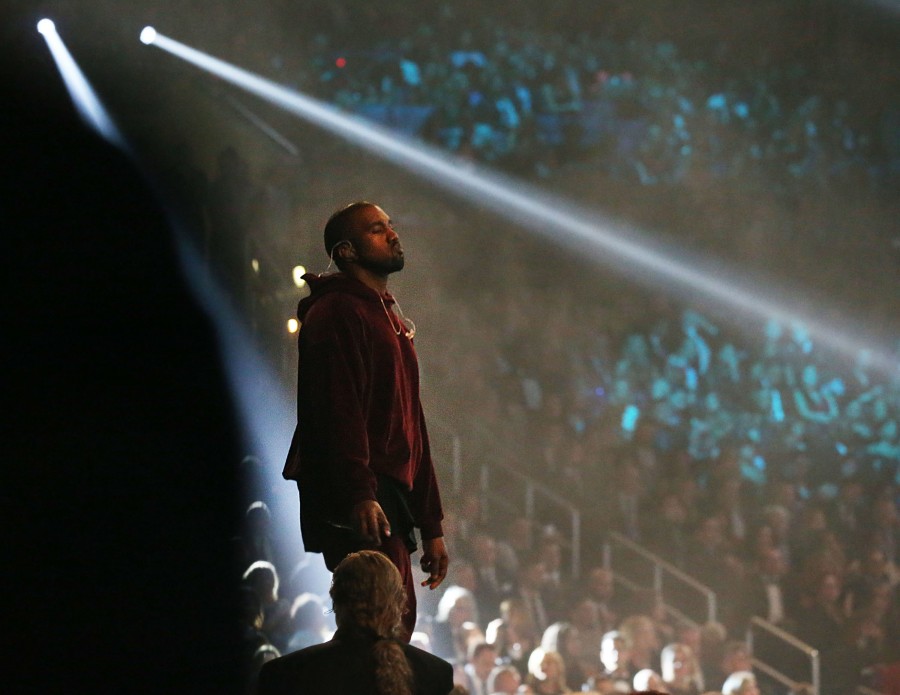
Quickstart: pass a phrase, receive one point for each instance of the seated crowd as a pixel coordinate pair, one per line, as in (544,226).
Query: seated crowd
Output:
(531,99)
(511,618)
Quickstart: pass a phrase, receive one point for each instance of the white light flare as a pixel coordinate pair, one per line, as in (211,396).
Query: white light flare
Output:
(584,231)
(86,102)
(148,35)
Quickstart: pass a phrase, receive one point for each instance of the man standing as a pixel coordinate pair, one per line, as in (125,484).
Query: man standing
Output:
(360,453)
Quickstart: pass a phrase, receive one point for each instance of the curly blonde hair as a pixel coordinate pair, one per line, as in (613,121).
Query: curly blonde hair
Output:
(368,598)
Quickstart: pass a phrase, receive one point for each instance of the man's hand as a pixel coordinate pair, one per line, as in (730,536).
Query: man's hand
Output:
(434,561)
(370,521)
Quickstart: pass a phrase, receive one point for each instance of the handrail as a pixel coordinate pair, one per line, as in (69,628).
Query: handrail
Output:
(774,674)
(532,487)
(811,652)
(660,564)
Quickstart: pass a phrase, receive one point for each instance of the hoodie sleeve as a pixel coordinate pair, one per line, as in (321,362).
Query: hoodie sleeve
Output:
(425,499)
(332,390)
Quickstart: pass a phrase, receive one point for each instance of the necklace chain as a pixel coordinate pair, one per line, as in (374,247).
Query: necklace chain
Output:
(410,330)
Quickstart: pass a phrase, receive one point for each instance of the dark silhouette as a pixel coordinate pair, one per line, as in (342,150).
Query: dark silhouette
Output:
(366,655)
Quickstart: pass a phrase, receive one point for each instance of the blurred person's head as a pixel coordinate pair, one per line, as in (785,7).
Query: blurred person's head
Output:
(677,663)
(562,637)
(456,607)
(258,519)
(263,654)
(783,492)
(628,477)
(547,666)
(763,539)
(504,679)
(828,589)
(307,612)
(671,508)
(421,640)
(584,614)
(533,572)
(514,612)
(710,532)
(484,550)
(520,533)
(850,491)
(462,573)
(640,633)
(778,519)
(689,634)
(884,512)
(648,679)
(813,518)
(712,643)
(550,553)
(601,584)
(772,563)
(262,577)
(251,608)
(736,657)
(614,650)
(874,563)
(740,683)
(483,657)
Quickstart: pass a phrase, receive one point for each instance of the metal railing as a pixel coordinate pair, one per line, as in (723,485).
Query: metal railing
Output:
(662,570)
(787,638)
(532,491)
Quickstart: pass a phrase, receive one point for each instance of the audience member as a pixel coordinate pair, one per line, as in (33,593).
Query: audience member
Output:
(740,683)
(615,656)
(308,622)
(504,680)
(680,670)
(547,673)
(454,623)
(564,639)
(366,654)
(514,633)
(262,577)
(479,666)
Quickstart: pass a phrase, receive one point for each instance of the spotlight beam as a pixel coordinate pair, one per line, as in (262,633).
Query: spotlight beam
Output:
(266,128)
(83,96)
(579,229)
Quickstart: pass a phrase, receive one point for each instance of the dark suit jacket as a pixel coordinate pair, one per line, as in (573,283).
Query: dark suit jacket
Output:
(345,666)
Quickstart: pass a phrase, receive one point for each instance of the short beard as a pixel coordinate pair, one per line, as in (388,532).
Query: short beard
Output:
(381,267)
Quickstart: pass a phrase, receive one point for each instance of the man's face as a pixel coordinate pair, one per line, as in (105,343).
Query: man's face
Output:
(507,682)
(485,661)
(601,584)
(773,563)
(484,550)
(738,660)
(533,575)
(377,245)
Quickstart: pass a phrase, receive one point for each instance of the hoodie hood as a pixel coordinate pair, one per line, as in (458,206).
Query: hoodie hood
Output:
(320,285)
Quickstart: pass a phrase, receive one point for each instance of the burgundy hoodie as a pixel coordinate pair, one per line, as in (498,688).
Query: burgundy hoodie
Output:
(358,409)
